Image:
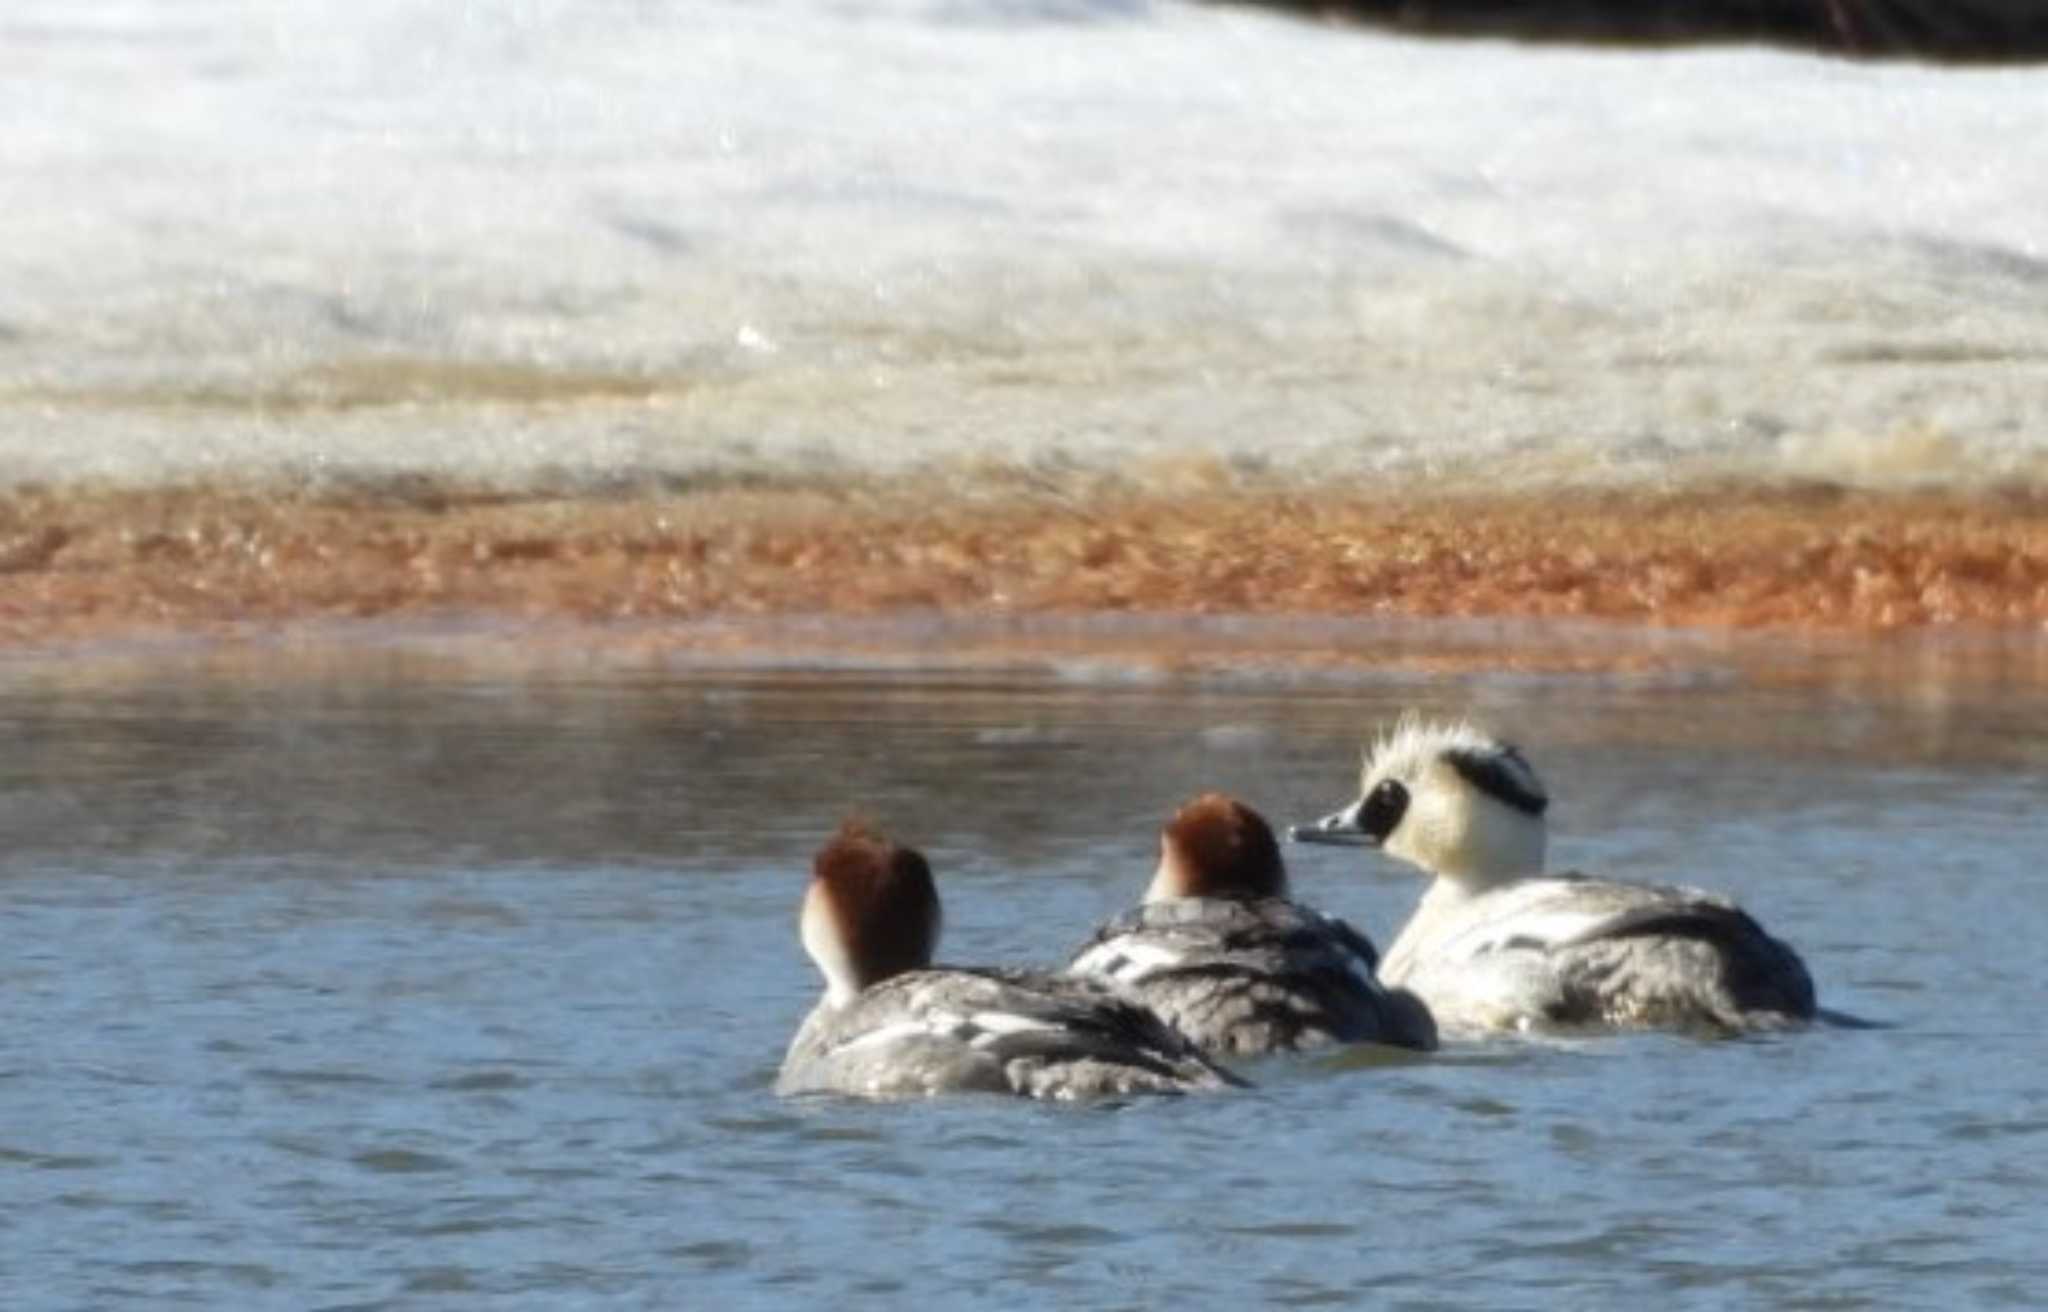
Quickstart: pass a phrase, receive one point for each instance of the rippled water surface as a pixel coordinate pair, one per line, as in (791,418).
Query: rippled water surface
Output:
(394,981)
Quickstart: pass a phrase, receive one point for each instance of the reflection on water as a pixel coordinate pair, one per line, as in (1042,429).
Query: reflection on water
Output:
(349,978)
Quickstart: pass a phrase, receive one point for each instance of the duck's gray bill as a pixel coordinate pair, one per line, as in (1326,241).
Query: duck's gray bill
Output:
(1337,830)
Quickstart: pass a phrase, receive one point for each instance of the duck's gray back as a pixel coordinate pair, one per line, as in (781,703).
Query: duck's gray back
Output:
(954,1030)
(1586,951)
(1253,977)
(1684,959)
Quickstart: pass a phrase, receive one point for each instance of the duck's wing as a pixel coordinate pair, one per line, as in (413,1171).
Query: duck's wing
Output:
(1061,1036)
(1250,977)
(1042,1035)
(1564,911)
(1178,933)
(1606,951)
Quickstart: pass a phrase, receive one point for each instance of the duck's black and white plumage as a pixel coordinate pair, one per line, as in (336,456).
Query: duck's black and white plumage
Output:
(1497,944)
(1219,952)
(891,1025)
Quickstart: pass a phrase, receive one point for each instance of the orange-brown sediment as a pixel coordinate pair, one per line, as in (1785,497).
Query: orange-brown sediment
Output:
(93,564)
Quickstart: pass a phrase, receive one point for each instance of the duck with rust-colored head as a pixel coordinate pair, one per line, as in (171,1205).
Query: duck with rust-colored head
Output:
(1219,951)
(893,1025)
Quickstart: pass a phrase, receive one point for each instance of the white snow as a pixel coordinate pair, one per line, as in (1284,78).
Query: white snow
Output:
(512,240)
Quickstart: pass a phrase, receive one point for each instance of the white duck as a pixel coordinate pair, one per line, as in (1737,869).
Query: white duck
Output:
(1497,944)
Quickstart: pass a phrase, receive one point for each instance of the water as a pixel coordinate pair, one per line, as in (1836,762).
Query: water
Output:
(351,973)
(385,976)
(543,242)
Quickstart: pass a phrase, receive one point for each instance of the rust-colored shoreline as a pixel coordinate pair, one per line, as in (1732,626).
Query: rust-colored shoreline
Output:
(83,565)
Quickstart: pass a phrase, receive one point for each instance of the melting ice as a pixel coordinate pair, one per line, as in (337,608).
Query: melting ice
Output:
(542,237)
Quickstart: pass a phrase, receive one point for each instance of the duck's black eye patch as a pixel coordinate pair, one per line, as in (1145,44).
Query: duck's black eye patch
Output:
(1503,776)
(1382,810)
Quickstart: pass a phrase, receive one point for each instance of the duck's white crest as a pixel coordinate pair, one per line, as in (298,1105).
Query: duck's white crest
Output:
(1470,809)
(1414,741)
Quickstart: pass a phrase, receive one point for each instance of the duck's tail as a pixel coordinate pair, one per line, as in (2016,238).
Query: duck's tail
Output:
(1842,1020)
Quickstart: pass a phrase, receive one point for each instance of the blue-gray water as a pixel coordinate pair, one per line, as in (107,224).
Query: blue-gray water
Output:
(392,981)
